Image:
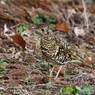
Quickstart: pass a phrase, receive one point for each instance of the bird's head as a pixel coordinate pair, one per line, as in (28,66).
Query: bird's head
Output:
(44,31)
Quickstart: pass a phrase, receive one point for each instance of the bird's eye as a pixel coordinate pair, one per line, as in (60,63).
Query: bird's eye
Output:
(42,30)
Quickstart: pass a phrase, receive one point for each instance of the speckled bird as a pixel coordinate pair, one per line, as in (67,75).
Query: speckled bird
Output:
(57,49)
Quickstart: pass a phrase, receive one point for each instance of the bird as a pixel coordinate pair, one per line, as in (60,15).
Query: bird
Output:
(57,49)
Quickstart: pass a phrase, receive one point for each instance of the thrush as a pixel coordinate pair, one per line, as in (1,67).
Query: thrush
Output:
(57,49)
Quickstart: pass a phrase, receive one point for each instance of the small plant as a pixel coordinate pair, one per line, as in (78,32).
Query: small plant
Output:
(51,26)
(21,28)
(93,64)
(43,66)
(3,63)
(2,72)
(43,63)
(1,93)
(49,19)
(85,90)
(67,90)
(35,36)
(26,52)
(38,18)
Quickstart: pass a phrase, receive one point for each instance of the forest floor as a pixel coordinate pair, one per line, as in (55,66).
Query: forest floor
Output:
(25,72)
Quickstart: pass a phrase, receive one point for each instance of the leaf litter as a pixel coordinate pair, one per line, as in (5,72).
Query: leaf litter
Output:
(26,73)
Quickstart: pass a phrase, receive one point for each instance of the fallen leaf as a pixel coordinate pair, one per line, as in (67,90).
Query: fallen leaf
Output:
(62,27)
(79,31)
(88,61)
(15,38)
(18,40)
(71,12)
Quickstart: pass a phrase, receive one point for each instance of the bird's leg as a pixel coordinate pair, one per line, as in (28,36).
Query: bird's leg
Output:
(58,71)
(52,70)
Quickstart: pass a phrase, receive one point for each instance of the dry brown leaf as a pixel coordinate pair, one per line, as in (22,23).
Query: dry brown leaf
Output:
(62,27)
(88,61)
(18,39)
(15,38)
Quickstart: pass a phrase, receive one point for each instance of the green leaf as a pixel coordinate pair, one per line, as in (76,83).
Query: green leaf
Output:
(38,18)
(67,90)
(21,28)
(35,36)
(93,64)
(3,63)
(87,89)
(51,26)
(49,19)
(2,72)
(26,52)
(78,88)
(1,93)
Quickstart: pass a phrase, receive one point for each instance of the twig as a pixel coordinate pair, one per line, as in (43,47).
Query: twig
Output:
(85,14)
